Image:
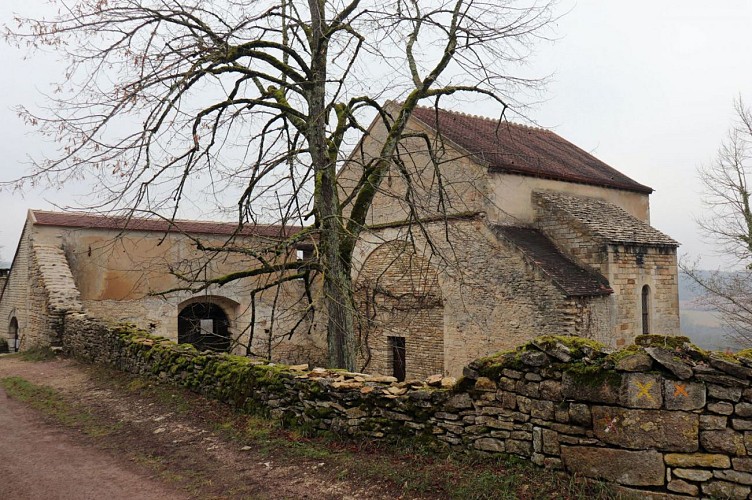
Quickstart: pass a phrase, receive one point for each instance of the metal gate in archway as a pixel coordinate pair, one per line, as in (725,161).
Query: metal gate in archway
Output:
(205,326)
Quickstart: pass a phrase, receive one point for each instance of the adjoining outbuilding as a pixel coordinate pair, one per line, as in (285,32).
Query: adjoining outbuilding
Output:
(116,268)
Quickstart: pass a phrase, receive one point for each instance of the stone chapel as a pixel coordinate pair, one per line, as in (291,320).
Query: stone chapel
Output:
(512,232)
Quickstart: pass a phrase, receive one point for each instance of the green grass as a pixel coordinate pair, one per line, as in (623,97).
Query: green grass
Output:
(53,404)
(411,468)
(165,394)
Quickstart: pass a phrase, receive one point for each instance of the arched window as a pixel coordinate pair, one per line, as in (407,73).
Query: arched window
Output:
(645,310)
(204,325)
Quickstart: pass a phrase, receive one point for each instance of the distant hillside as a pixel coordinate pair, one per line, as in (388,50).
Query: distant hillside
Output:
(699,322)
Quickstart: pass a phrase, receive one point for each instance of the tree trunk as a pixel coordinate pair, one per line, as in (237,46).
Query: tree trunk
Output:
(337,265)
(340,325)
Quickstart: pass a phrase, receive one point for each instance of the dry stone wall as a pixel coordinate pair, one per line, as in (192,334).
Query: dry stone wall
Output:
(661,419)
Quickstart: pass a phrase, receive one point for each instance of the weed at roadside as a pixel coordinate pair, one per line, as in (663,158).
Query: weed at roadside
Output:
(36,354)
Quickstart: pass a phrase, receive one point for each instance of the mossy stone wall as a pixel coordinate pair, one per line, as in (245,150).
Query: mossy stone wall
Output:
(659,418)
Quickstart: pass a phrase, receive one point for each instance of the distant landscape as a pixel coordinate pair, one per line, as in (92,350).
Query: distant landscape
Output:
(700,323)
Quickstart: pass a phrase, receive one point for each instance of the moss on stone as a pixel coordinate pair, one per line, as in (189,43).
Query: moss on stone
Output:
(492,366)
(746,353)
(319,412)
(576,344)
(631,350)
(593,375)
(729,357)
(665,341)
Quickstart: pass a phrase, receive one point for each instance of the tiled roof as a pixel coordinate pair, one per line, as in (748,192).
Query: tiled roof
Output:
(518,149)
(89,221)
(604,220)
(572,279)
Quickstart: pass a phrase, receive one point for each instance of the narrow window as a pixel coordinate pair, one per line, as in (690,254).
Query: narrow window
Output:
(645,310)
(304,253)
(207,326)
(397,349)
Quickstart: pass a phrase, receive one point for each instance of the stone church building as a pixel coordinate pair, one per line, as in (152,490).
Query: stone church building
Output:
(512,232)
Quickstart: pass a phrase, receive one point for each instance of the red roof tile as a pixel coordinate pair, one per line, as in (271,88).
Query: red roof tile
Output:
(518,149)
(89,221)
(572,279)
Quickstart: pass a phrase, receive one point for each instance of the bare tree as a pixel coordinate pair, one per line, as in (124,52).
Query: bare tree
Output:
(252,104)
(728,224)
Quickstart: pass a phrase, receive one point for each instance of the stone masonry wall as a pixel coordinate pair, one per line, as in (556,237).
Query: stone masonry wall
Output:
(14,303)
(661,419)
(631,269)
(398,295)
(492,297)
(573,240)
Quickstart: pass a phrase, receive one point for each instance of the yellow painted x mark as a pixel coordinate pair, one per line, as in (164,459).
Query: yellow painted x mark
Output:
(645,390)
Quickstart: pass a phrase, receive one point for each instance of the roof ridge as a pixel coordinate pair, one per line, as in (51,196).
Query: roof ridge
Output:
(166,220)
(515,148)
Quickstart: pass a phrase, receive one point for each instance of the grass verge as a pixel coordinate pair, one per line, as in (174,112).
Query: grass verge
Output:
(53,404)
(409,469)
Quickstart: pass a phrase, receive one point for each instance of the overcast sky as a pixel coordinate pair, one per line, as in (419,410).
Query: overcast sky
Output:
(645,86)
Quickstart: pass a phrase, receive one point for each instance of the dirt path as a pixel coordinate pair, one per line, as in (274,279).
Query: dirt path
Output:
(38,461)
(141,448)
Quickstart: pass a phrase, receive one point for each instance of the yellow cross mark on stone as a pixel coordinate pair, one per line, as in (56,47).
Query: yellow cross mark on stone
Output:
(680,390)
(644,390)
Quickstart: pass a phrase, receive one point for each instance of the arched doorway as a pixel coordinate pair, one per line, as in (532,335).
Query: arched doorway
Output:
(13,341)
(204,325)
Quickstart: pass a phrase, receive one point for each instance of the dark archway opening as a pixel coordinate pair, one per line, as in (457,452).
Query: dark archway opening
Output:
(13,330)
(204,325)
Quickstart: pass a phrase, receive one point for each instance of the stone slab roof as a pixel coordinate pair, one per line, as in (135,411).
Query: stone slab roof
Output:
(517,149)
(119,223)
(62,293)
(572,279)
(604,220)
